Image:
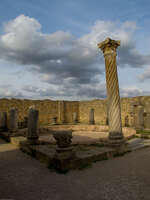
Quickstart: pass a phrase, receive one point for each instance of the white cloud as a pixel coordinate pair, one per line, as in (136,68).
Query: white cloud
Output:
(74,65)
(145,75)
(133,91)
(6,91)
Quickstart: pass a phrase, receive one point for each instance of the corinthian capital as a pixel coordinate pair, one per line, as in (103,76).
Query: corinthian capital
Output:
(109,46)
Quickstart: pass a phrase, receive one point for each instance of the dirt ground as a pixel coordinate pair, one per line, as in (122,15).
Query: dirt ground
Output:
(121,178)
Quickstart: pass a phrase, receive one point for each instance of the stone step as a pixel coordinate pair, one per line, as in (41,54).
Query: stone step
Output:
(140,146)
(138,143)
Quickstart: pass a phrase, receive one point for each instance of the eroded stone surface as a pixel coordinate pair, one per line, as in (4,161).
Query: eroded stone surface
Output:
(32,133)
(63,138)
(13,120)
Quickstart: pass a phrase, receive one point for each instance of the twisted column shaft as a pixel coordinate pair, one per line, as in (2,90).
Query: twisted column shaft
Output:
(113,98)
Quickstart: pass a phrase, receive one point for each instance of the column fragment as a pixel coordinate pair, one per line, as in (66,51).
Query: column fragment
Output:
(32,134)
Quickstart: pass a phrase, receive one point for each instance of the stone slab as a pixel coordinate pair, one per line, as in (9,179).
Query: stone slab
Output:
(85,156)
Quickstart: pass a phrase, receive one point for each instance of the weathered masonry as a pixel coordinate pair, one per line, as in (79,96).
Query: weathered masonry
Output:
(135,112)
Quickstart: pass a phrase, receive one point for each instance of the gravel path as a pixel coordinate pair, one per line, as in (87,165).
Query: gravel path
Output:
(122,178)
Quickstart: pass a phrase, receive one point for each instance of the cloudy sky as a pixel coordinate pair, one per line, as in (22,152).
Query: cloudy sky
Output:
(48,48)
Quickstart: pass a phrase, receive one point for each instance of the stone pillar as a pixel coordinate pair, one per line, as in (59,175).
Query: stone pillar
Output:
(3,121)
(109,47)
(61,112)
(13,120)
(25,122)
(91,117)
(139,117)
(75,118)
(32,133)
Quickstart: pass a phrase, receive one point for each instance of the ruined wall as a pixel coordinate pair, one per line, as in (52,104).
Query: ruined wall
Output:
(99,107)
(128,111)
(46,108)
(70,108)
(65,109)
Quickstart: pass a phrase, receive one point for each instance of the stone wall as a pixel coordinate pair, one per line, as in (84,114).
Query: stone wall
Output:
(64,110)
(46,108)
(99,107)
(70,108)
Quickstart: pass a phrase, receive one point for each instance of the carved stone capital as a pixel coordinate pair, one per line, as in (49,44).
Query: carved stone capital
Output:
(63,138)
(109,46)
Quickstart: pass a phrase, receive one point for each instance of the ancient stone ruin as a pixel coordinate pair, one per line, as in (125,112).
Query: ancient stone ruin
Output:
(49,109)
(71,134)
(113,98)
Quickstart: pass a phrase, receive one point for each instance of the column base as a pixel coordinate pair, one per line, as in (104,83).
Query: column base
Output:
(62,159)
(117,141)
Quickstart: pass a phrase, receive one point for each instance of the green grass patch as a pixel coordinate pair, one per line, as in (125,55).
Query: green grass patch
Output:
(143,132)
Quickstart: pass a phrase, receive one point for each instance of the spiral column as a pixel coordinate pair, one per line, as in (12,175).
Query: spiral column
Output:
(113,98)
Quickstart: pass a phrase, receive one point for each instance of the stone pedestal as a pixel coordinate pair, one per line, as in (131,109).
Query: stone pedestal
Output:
(3,121)
(32,133)
(64,151)
(109,47)
(75,118)
(91,117)
(13,120)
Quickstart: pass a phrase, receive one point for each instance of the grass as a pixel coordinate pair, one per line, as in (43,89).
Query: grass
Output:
(143,132)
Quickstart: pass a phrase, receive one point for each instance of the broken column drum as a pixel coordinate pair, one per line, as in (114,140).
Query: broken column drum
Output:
(113,98)
(32,133)
(13,120)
